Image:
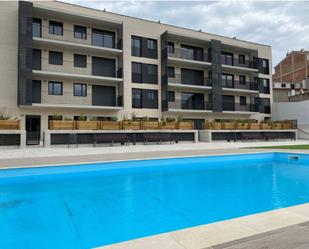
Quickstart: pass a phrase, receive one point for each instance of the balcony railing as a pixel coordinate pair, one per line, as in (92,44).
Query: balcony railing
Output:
(235,84)
(238,107)
(189,105)
(68,35)
(68,67)
(189,55)
(238,63)
(180,79)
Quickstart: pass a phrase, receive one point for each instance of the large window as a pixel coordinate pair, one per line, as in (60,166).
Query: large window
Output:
(151,44)
(170,47)
(103,38)
(144,73)
(136,46)
(227,58)
(171,72)
(242,100)
(103,67)
(192,101)
(264,87)
(192,53)
(80,89)
(242,79)
(80,32)
(171,96)
(192,77)
(55,28)
(227,80)
(36,59)
(54,88)
(55,58)
(36,27)
(80,60)
(144,98)
(242,59)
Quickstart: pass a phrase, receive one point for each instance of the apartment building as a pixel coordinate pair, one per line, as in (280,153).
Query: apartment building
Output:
(65,60)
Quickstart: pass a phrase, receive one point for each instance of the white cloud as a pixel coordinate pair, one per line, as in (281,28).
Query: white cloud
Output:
(281,24)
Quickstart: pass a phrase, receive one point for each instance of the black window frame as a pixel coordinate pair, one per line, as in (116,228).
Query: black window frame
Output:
(103,34)
(81,33)
(53,26)
(53,58)
(242,82)
(242,59)
(171,47)
(83,90)
(137,75)
(36,21)
(51,90)
(171,96)
(144,76)
(77,60)
(137,102)
(154,44)
(242,100)
(135,51)
(36,62)
(227,58)
(171,72)
(228,83)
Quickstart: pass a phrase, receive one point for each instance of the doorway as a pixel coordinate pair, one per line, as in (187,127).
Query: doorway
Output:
(33,129)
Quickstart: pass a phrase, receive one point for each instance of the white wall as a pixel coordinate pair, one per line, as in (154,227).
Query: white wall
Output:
(292,111)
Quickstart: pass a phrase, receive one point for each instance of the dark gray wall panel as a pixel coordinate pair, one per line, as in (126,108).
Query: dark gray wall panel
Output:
(164,68)
(103,95)
(216,71)
(25,53)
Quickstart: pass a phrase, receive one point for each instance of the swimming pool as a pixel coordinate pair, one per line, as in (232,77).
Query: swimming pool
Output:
(91,205)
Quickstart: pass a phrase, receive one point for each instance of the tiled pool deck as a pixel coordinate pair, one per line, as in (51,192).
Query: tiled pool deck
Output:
(282,228)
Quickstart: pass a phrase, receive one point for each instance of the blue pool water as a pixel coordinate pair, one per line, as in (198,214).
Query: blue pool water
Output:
(91,205)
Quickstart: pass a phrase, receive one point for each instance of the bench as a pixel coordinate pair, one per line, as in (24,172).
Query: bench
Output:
(159,138)
(111,139)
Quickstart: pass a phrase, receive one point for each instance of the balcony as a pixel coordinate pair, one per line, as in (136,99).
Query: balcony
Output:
(238,108)
(239,85)
(179,81)
(67,70)
(236,64)
(69,40)
(68,101)
(189,57)
(188,106)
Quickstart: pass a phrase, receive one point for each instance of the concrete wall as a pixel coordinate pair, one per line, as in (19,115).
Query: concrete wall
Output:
(292,110)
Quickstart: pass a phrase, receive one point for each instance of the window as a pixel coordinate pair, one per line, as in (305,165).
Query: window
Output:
(136,98)
(265,86)
(192,53)
(54,88)
(36,27)
(152,44)
(283,85)
(242,59)
(265,63)
(242,79)
(152,95)
(55,28)
(227,80)
(171,96)
(36,59)
(136,46)
(171,48)
(103,66)
(80,32)
(103,38)
(137,72)
(227,58)
(242,100)
(55,58)
(192,77)
(171,72)
(80,89)
(80,60)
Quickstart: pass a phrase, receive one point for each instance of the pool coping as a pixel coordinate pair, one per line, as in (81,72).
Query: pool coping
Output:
(222,232)
(139,157)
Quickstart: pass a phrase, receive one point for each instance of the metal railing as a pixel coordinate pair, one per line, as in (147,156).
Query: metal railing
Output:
(187,54)
(239,107)
(238,63)
(235,84)
(299,97)
(189,105)
(180,79)
(68,35)
(68,67)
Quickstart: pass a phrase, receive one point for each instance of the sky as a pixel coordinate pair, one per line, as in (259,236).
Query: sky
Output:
(281,24)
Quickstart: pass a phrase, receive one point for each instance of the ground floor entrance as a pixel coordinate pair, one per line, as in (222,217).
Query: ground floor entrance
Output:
(33,129)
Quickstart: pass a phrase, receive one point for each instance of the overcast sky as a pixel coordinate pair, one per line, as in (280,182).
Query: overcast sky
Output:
(282,24)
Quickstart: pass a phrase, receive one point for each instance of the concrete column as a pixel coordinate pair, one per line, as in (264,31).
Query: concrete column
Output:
(46,138)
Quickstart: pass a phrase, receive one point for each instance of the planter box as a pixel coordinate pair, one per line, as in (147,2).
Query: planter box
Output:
(242,126)
(61,125)
(168,126)
(287,126)
(276,126)
(148,125)
(185,125)
(213,126)
(265,126)
(87,125)
(9,124)
(228,126)
(254,126)
(110,125)
(134,125)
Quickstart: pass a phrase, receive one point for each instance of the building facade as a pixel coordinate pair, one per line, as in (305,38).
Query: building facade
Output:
(66,61)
